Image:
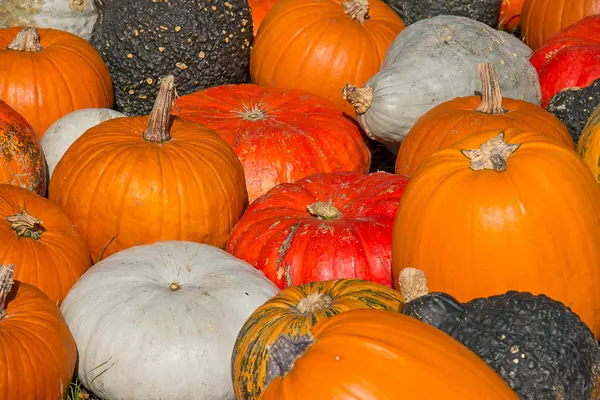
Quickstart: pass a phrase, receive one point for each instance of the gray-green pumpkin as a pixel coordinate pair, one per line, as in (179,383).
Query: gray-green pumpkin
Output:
(202,43)
(411,11)
(433,61)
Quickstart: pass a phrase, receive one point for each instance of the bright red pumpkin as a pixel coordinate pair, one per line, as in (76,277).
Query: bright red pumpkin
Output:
(279,135)
(22,160)
(569,59)
(326,226)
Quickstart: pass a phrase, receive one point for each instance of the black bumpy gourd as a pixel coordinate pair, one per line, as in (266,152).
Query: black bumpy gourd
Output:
(538,345)
(574,107)
(411,11)
(202,43)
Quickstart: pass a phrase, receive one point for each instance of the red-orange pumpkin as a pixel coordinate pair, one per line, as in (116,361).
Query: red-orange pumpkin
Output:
(504,211)
(320,45)
(510,15)
(260,8)
(326,226)
(40,240)
(46,74)
(37,350)
(22,160)
(278,135)
(139,180)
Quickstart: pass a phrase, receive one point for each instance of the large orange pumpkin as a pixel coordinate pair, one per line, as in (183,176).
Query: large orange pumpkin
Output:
(138,180)
(504,211)
(22,161)
(293,312)
(279,135)
(37,350)
(453,120)
(46,74)
(541,19)
(260,8)
(320,45)
(40,240)
(378,354)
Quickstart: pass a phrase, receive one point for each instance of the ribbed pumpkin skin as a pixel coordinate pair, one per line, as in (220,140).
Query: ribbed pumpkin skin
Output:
(589,144)
(456,119)
(260,8)
(278,135)
(534,227)
(37,351)
(67,75)
(55,261)
(22,162)
(280,316)
(541,19)
(290,246)
(189,188)
(376,354)
(314,46)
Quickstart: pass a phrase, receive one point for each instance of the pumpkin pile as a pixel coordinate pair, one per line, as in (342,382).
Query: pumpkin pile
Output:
(300,199)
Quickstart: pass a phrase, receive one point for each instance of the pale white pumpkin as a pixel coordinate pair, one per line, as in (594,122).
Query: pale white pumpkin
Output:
(61,134)
(159,321)
(75,16)
(435,60)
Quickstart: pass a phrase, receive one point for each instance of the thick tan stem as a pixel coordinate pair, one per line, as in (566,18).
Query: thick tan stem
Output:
(159,123)
(26,40)
(413,284)
(26,225)
(359,98)
(323,210)
(174,286)
(357,9)
(314,302)
(491,95)
(6,282)
(491,155)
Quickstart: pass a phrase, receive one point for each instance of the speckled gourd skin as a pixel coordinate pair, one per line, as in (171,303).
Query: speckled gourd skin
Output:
(411,11)
(74,16)
(201,43)
(435,60)
(539,346)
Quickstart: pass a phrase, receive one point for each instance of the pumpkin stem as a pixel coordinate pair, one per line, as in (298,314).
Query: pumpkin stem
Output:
(491,155)
(314,302)
(413,284)
(159,123)
(359,98)
(26,40)
(25,225)
(283,354)
(323,210)
(174,286)
(491,95)
(6,282)
(357,9)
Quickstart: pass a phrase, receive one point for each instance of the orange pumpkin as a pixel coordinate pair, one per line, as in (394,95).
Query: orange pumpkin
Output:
(47,74)
(138,180)
(22,161)
(319,45)
(293,312)
(40,240)
(510,15)
(377,354)
(260,8)
(504,211)
(453,120)
(541,19)
(37,351)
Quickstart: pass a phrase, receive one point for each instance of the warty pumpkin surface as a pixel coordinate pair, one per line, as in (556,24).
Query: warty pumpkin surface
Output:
(325,226)
(22,162)
(542,19)
(279,135)
(508,210)
(319,45)
(453,120)
(37,350)
(40,240)
(137,180)
(293,312)
(378,355)
(46,73)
